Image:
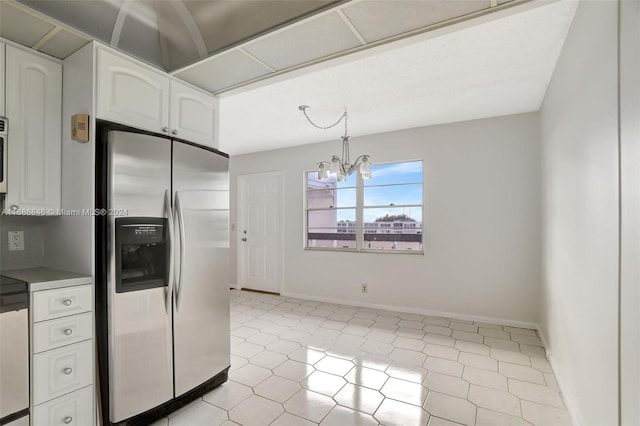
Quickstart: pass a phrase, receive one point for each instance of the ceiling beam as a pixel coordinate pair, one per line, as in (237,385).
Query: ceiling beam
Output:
(48,36)
(353,29)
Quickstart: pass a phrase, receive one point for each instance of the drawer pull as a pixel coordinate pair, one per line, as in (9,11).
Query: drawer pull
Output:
(68,420)
(66,302)
(67,371)
(67,332)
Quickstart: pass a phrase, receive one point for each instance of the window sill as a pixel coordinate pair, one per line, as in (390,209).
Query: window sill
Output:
(352,250)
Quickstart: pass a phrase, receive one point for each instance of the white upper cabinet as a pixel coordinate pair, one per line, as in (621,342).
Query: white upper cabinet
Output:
(137,95)
(2,110)
(34,110)
(132,94)
(193,114)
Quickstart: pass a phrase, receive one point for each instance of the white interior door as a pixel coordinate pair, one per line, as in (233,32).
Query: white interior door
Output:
(260,231)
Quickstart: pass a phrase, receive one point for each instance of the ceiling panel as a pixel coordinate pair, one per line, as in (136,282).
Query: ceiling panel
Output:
(310,40)
(21,27)
(95,18)
(224,71)
(223,24)
(377,20)
(63,44)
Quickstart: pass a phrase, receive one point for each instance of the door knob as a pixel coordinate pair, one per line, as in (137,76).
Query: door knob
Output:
(244,239)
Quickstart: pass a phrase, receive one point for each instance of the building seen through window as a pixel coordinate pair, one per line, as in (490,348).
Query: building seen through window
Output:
(380,214)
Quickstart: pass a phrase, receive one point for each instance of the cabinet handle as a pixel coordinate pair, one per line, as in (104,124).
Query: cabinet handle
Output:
(68,420)
(67,332)
(67,302)
(174,132)
(165,129)
(67,371)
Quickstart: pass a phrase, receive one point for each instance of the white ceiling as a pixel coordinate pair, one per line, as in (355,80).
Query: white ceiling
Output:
(489,66)
(220,45)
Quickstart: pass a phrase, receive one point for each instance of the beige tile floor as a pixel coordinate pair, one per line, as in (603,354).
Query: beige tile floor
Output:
(296,362)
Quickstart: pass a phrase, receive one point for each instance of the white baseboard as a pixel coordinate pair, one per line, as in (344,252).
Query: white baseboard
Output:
(429,312)
(566,397)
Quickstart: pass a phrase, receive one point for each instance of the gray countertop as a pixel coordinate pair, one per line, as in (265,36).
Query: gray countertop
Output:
(47,278)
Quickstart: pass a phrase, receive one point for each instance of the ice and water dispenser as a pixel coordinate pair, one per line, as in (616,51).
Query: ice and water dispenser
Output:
(142,253)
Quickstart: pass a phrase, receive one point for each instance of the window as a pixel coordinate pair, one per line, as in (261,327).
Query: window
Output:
(379,214)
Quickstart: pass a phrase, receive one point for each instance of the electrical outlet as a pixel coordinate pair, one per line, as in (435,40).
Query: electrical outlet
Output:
(16,240)
(364,288)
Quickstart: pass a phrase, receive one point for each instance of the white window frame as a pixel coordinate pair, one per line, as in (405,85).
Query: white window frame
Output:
(359,215)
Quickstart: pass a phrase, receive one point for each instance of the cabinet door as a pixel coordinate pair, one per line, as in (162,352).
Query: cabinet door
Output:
(194,114)
(60,371)
(2,110)
(131,94)
(34,109)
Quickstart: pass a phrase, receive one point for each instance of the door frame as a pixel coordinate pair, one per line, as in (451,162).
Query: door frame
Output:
(241,185)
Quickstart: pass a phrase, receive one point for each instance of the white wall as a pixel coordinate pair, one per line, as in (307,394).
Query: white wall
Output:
(580,215)
(482,221)
(630,213)
(34,241)
(70,243)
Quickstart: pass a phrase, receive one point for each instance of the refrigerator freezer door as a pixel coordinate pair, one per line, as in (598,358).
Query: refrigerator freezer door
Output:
(140,341)
(201,311)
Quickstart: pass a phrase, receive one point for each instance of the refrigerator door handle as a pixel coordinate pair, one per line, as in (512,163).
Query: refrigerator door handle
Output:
(169,293)
(182,243)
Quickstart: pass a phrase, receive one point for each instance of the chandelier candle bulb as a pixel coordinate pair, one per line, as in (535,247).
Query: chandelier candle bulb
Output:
(340,166)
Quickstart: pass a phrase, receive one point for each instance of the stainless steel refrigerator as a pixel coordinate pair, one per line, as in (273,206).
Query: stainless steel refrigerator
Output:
(162,272)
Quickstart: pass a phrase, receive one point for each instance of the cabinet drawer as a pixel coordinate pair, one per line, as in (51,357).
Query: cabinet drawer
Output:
(61,302)
(62,370)
(73,409)
(62,331)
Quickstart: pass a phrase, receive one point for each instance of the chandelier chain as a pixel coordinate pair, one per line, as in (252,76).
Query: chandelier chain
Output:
(344,115)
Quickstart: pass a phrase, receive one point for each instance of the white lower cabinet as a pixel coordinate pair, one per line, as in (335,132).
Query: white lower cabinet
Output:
(22,421)
(2,84)
(75,408)
(62,360)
